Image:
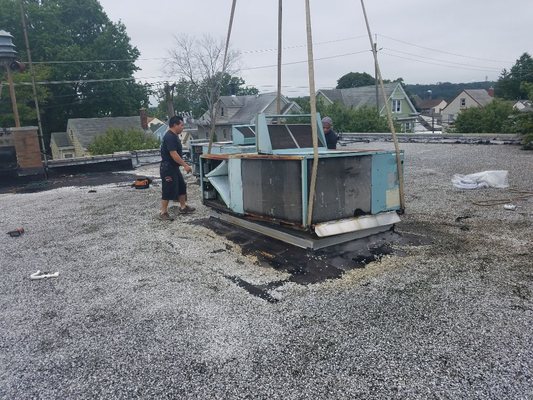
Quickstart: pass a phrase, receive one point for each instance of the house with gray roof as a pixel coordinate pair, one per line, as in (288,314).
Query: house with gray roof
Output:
(61,146)
(82,131)
(468,98)
(242,110)
(403,110)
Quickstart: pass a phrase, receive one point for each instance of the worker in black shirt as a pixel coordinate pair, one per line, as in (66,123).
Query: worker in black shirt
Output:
(172,182)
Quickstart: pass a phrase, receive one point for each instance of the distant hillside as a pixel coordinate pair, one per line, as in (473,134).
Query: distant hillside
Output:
(445,90)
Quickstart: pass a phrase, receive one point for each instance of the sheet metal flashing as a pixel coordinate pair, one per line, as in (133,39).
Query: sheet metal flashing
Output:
(299,239)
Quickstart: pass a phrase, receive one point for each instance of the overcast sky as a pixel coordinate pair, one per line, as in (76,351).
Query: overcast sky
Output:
(420,41)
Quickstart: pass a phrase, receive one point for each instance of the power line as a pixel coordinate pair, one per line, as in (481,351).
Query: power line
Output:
(169,58)
(443,51)
(483,68)
(440,65)
(305,61)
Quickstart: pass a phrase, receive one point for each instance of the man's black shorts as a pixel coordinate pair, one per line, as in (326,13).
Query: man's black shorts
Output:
(172,182)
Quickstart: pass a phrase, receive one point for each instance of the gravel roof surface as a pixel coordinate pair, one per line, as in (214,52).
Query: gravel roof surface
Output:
(144,308)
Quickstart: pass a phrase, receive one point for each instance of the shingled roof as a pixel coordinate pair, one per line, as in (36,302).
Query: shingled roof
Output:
(481,96)
(251,105)
(359,96)
(61,139)
(87,129)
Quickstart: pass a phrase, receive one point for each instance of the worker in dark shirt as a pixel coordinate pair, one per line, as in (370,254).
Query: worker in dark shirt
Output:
(172,182)
(331,135)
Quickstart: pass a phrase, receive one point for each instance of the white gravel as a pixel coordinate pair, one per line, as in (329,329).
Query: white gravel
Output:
(144,308)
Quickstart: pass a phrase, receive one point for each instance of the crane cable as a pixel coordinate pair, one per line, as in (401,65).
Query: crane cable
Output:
(389,115)
(214,116)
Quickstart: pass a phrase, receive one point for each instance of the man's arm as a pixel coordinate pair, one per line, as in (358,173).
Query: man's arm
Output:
(176,157)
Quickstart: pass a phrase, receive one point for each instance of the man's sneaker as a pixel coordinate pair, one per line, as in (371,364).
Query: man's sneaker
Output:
(186,210)
(165,217)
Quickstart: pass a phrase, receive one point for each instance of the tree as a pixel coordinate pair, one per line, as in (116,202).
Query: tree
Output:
(510,84)
(363,119)
(24,95)
(488,119)
(79,33)
(188,97)
(122,140)
(355,79)
(199,61)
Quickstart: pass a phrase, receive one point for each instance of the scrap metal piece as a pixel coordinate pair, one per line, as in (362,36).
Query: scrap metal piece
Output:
(43,275)
(364,222)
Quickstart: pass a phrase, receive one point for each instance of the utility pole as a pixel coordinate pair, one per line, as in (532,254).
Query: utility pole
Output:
(169,97)
(12,95)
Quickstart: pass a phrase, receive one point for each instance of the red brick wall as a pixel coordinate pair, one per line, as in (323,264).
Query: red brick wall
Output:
(26,143)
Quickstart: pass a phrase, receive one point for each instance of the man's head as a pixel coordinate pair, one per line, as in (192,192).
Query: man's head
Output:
(175,124)
(327,123)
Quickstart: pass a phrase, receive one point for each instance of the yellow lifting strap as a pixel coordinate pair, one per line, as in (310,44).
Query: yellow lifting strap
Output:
(389,114)
(214,117)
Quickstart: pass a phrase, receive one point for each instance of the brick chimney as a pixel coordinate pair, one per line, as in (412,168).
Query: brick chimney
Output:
(490,91)
(144,118)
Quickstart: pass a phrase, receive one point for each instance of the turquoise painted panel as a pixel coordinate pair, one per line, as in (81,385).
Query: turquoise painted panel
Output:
(235,179)
(385,185)
(261,134)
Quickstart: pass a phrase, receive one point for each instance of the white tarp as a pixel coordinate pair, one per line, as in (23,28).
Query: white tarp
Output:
(496,179)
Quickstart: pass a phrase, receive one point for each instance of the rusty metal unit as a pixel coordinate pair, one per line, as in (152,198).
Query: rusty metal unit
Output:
(356,191)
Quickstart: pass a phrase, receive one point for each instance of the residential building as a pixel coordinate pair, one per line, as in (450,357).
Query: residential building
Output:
(61,146)
(468,98)
(81,132)
(403,110)
(431,106)
(523,105)
(242,110)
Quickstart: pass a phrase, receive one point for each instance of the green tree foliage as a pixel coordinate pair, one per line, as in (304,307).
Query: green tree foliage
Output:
(78,31)
(235,85)
(521,123)
(189,97)
(511,83)
(363,119)
(445,90)
(122,140)
(355,79)
(488,119)
(24,95)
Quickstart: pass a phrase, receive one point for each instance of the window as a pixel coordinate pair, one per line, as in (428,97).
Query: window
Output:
(463,102)
(407,126)
(221,111)
(396,106)
(68,155)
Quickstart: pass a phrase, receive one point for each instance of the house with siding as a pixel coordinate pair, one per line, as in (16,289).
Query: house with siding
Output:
(431,106)
(403,110)
(468,98)
(242,110)
(81,132)
(61,146)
